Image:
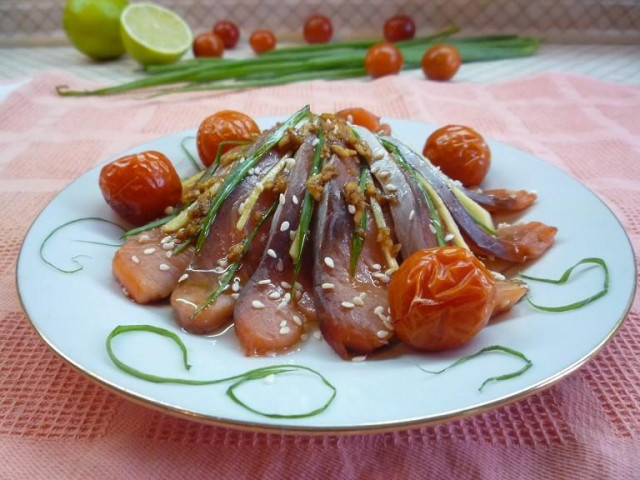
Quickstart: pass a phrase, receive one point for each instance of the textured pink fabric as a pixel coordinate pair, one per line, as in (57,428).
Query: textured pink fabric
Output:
(56,424)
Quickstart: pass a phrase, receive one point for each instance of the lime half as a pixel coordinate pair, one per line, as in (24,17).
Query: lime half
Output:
(154,35)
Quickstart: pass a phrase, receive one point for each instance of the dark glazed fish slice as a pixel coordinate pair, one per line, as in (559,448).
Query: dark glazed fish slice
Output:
(501,200)
(352,312)
(266,320)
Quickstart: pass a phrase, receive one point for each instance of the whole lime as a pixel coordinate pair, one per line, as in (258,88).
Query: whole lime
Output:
(93,27)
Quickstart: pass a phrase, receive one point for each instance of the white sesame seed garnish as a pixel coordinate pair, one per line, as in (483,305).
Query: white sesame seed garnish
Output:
(275,295)
(168,210)
(280,265)
(384,174)
(328,286)
(328,261)
(304,336)
(282,305)
(360,358)
(223,262)
(298,294)
(498,276)
(295,200)
(168,246)
(235,287)
(317,335)
(283,323)
(235,296)
(382,334)
(143,238)
(284,226)
(168,254)
(269,379)
(166,239)
(448,237)
(251,171)
(412,214)
(284,330)
(347,304)
(432,228)
(298,286)
(287,297)
(135,259)
(266,281)
(315,142)
(285,285)
(257,304)
(272,253)
(351,209)
(183,277)
(391,187)
(381,276)
(375,168)
(350,118)
(125,291)
(379,155)
(376,267)
(148,251)
(297,320)
(282,199)
(164,267)
(379,309)
(218,270)
(358,301)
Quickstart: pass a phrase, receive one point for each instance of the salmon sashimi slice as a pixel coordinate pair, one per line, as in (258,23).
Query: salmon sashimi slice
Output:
(267,319)
(508,293)
(352,311)
(213,260)
(502,200)
(145,267)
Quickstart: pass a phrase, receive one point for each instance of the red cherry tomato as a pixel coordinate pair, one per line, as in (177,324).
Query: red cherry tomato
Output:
(318,29)
(140,187)
(383,59)
(262,41)
(208,45)
(440,298)
(460,152)
(399,28)
(225,125)
(441,62)
(364,118)
(228,32)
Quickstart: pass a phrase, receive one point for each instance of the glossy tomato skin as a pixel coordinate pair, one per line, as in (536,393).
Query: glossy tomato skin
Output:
(318,29)
(228,32)
(383,59)
(364,118)
(441,62)
(208,45)
(225,125)
(141,186)
(460,152)
(440,298)
(262,41)
(399,28)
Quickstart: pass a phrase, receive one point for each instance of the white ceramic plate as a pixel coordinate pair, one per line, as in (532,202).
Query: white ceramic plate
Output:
(74,313)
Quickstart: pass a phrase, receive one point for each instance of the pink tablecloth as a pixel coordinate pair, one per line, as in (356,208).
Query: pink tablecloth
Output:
(56,424)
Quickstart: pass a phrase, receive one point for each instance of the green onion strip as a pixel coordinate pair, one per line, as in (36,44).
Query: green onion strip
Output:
(494,348)
(564,278)
(211,169)
(74,259)
(240,171)
(357,241)
(150,225)
(186,151)
(418,178)
(238,380)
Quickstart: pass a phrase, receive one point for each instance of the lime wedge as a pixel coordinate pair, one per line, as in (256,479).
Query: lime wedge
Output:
(154,35)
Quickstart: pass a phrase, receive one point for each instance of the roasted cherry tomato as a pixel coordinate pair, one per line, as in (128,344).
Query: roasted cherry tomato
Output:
(262,41)
(460,152)
(318,29)
(208,45)
(441,62)
(225,125)
(364,118)
(399,28)
(383,59)
(440,298)
(140,187)
(228,32)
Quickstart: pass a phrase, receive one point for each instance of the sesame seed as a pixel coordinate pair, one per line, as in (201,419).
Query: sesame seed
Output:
(350,118)
(269,379)
(168,254)
(360,358)
(287,297)
(166,239)
(282,305)
(271,253)
(251,171)
(391,187)
(376,266)
(135,259)
(284,226)
(315,142)
(382,334)
(285,285)
(304,336)
(448,237)
(266,281)
(218,270)
(290,162)
(298,294)
(149,251)
(257,304)
(284,330)
(280,265)
(223,262)
(432,228)
(328,286)
(363,295)
(328,261)
(235,296)
(351,209)
(295,200)
(498,276)
(283,323)
(379,155)
(183,277)
(125,291)
(384,174)
(298,286)
(317,335)
(375,169)
(275,295)
(143,238)
(168,210)
(235,287)
(358,301)
(282,199)
(164,267)
(347,304)
(168,245)
(378,310)
(381,276)
(297,320)
(412,214)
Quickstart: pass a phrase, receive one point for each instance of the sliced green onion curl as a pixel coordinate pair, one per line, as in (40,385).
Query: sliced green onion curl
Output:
(238,380)
(564,278)
(357,242)
(493,348)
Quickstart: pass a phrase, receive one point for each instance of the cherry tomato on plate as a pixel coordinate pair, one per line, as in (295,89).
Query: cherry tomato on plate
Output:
(399,28)
(208,45)
(460,152)
(364,118)
(318,29)
(141,186)
(228,32)
(441,62)
(383,59)
(225,125)
(262,41)
(440,298)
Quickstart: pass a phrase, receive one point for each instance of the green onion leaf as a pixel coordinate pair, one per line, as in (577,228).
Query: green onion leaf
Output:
(564,278)
(57,229)
(149,226)
(238,380)
(191,158)
(211,169)
(494,348)
(238,174)
(357,241)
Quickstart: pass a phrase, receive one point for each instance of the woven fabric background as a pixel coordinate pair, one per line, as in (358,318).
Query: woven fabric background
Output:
(54,423)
